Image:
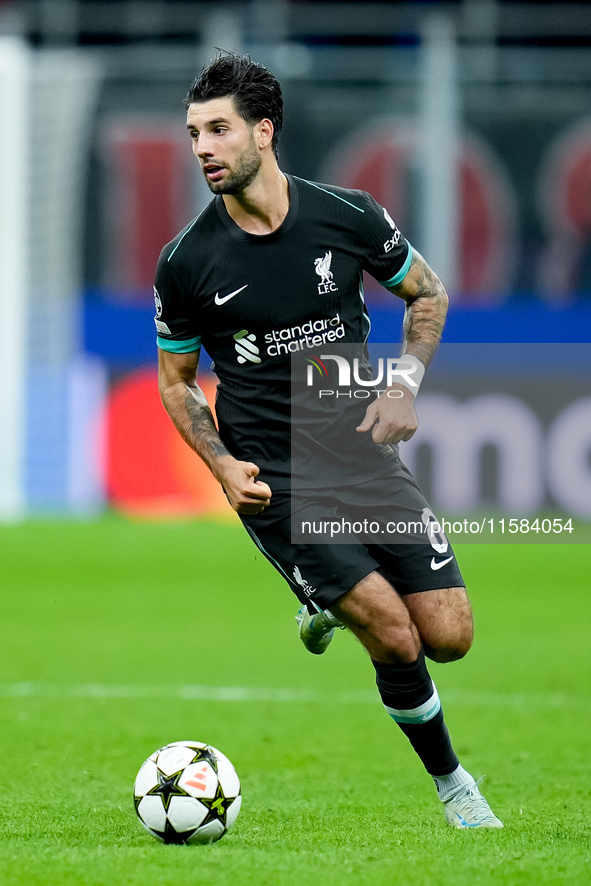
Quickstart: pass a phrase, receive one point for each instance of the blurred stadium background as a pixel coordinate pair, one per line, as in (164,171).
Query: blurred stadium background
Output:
(469,120)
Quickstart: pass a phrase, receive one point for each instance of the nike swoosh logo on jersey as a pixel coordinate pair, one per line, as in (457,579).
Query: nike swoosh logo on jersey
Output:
(225,298)
(435,565)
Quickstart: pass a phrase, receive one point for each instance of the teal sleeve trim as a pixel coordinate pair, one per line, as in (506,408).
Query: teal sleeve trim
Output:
(179,347)
(399,277)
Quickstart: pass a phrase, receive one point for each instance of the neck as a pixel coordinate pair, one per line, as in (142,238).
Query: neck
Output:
(261,208)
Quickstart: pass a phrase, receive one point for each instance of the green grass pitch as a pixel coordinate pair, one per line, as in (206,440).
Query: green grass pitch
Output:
(117,637)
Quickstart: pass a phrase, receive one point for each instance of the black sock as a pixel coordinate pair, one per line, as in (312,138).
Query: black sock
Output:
(410,697)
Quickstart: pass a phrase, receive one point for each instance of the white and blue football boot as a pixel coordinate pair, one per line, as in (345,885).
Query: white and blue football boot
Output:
(469,809)
(317,630)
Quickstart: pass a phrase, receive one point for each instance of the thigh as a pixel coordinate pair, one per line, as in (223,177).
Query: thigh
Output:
(378,617)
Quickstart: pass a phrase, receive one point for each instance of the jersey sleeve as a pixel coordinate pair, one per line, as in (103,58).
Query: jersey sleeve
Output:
(387,255)
(175,315)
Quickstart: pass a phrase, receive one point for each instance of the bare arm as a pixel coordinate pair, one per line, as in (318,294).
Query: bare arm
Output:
(426,309)
(186,405)
(395,420)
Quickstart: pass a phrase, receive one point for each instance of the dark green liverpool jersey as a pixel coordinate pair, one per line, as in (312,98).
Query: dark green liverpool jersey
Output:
(253,301)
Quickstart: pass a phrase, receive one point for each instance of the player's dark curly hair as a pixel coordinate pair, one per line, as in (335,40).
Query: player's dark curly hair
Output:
(255,90)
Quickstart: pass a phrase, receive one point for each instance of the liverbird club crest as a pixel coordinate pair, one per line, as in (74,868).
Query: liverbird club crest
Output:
(322,267)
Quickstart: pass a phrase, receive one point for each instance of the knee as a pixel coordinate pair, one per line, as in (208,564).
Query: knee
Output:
(449,649)
(449,638)
(398,644)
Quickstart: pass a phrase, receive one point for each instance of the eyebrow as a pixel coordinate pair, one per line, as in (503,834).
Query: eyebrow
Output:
(213,122)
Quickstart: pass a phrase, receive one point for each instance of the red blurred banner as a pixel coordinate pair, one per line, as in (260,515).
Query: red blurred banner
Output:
(150,470)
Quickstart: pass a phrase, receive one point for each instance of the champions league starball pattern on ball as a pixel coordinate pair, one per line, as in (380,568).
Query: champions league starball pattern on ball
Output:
(187,792)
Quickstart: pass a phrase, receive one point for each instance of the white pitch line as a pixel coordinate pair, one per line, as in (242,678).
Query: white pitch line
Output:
(103,691)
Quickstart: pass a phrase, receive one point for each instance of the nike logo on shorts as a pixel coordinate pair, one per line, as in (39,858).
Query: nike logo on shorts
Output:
(225,298)
(435,565)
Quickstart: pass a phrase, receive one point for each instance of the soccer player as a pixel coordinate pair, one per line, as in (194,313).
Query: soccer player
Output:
(273,266)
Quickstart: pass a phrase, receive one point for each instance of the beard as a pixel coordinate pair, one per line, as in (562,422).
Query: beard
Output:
(238,179)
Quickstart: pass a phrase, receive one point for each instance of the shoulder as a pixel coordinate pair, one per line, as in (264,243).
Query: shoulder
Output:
(347,200)
(190,240)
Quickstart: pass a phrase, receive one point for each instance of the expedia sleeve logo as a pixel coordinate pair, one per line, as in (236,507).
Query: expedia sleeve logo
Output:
(394,240)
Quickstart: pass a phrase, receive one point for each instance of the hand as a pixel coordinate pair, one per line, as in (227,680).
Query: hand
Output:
(391,419)
(245,494)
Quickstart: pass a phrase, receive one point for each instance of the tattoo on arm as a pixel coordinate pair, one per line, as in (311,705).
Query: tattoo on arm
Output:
(426,307)
(219,449)
(205,438)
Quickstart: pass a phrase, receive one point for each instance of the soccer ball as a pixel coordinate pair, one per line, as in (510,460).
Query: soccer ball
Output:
(187,792)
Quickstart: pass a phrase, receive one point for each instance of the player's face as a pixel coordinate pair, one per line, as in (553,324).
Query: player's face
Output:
(224,145)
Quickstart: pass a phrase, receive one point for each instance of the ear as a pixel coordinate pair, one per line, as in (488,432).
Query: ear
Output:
(263,133)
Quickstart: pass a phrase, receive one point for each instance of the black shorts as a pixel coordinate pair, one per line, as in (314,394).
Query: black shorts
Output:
(320,573)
